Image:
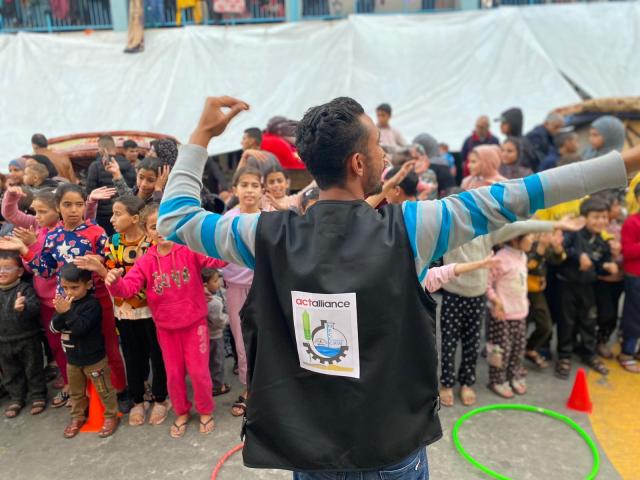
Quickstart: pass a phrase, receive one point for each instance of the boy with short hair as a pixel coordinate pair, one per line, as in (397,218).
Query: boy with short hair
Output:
(36,176)
(78,320)
(588,256)
(130,149)
(566,143)
(406,190)
(251,139)
(21,359)
(217,320)
(388,136)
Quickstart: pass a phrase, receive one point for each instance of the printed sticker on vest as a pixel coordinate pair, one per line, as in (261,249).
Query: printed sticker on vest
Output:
(326,328)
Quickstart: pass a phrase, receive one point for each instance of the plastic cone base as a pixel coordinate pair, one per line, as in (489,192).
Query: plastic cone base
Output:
(96,411)
(580,400)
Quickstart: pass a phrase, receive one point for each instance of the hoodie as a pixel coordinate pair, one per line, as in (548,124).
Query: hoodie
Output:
(515,119)
(612,131)
(174,287)
(490,160)
(438,164)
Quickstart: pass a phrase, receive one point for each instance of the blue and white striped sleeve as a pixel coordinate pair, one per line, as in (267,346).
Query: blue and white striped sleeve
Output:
(183,220)
(435,227)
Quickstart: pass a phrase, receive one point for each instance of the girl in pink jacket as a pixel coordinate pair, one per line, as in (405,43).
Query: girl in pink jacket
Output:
(32,230)
(507,292)
(171,275)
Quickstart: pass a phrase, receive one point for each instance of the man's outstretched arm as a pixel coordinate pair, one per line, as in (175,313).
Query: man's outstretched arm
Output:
(182,218)
(435,227)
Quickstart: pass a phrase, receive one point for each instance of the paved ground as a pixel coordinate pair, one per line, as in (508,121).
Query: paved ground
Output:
(519,445)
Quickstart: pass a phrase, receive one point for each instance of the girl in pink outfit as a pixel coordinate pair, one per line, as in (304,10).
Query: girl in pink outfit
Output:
(248,188)
(171,275)
(32,230)
(507,292)
(484,162)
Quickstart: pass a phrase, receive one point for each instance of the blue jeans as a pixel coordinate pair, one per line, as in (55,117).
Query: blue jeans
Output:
(629,345)
(414,467)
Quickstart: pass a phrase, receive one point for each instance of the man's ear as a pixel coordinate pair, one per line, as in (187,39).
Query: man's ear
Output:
(357,164)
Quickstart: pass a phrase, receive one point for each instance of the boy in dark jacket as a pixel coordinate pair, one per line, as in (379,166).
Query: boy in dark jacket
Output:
(77,319)
(588,256)
(21,358)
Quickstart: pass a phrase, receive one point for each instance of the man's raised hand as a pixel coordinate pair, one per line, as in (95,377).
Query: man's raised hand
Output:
(213,120)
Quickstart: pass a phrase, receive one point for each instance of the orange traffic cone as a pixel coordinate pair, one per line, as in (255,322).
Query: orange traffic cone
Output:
(96,411)
(580,400)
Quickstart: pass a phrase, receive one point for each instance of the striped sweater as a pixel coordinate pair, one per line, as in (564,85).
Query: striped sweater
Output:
(433,226)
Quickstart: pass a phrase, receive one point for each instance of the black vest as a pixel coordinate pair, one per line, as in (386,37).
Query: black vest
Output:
(302,420)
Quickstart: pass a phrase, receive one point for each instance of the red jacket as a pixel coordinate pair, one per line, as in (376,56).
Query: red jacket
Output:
(283,150)
(631,244)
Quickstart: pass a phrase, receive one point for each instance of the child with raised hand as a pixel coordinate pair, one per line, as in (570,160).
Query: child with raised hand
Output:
(170,273)
(71,238)
(77,319)
(151,177)
(438,276)
(32,231)
(247,188)
(218,320)
(21,360)
(507,292)
(547,250)
(133,316)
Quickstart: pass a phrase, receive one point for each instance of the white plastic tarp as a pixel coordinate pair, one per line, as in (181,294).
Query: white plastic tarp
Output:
(438,71)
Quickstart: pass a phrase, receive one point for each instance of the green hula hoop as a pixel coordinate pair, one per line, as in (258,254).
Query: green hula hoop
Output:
(526,408)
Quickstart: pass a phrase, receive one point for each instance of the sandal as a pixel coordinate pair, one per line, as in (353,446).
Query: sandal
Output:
(204,426)
(519,386)
(502,390)
(597,365)
(537,359)
(240,404)
(73,428)
(446,396)
(629,363)
(467,395)
(13,410)
(178,429)
(221,390)
(109,426)
(37,407)
(137,415)
(60,400)
(159,412)
(563,368)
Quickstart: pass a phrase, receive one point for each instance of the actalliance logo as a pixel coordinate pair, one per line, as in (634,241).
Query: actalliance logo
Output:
(307,302)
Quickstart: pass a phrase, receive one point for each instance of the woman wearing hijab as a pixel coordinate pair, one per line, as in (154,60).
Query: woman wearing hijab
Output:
(510,167)
(484,162)
(606,134)
(16,171)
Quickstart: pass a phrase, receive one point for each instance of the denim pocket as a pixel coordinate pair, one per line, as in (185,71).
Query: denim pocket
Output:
(319,475)
(413,468)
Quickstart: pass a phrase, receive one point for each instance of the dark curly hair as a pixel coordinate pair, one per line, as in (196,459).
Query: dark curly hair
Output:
(327,136)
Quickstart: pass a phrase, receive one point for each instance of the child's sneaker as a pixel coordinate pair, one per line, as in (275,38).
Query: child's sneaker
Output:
(494,355)
(519,386)
(503,390)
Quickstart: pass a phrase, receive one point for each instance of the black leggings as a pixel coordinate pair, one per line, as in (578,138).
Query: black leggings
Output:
(139,345)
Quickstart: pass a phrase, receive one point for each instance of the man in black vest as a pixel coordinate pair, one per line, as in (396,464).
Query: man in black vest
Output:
(339,334)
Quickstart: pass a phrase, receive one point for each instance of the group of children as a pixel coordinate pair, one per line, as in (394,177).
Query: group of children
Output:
(135,313)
